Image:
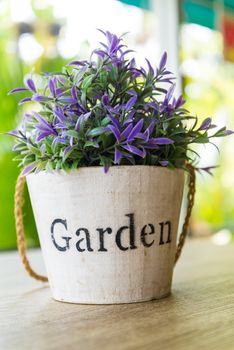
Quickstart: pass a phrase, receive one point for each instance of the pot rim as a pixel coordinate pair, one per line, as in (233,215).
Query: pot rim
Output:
(111,169)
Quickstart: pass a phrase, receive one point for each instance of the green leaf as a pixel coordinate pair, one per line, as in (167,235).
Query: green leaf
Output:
(78,76)
(65,156)
(105,161)
(97,131)
(83,97)
(105,121)
(34,149)
(201,139)
(49,166)
(91,144)
(114,73)
(220,132)
(75,164)
(41,165)
(103,78)
(72,133)
(87,82)
(58,164)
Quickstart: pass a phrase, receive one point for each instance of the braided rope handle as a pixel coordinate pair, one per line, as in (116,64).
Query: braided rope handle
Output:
(20,229)
(190,203)
(21,234)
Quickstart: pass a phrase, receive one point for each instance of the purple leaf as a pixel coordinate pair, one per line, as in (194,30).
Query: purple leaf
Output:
(114,44)
(44,126)
(115,131)
(42,135)
(67,149)
(132,92)
(151,126)
(151,145)
(24,100)
(166,72)
(41,120)
(82,118)
(205,124)
(17,90)
(58,112)
(109,36)
(100,53)
(151,70)
(161,141)
(14,133)
(105,100)
(118,156)
(61,79)
(205,127)
(166,80)
(114,110)
(208,169)
(104,45)
(163,61)
(135,72)
(144,136)
(169,94)
(60,126)
(106,168)
(180,102)
(131,102)
(143,71)
(78,63)
(164,162)
(59,91)
(114,121)
(29,168)
(153,105)
(129,117)
(30,84)
(59,140)
(67,99)
(125,53)
(132,63)
(126,132)
(74,93)
(137,128)
(101,31)
(41,98)
(228,132)
(135,150)
(52,87)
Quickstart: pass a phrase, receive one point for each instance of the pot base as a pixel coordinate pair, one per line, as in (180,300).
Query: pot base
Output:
(70,301)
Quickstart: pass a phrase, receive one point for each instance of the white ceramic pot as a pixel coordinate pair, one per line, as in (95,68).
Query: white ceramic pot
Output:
(108,238)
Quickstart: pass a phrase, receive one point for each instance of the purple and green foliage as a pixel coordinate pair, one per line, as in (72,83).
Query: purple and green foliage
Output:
(108,111)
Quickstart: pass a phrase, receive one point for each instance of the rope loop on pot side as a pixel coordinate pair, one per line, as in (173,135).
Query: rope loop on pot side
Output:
(20,229)
(190,203)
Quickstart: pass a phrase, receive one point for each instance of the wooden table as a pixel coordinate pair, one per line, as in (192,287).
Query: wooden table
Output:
(198,315)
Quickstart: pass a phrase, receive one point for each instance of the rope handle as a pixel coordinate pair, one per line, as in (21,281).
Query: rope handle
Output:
(190,203)
(19,189)
(21,233)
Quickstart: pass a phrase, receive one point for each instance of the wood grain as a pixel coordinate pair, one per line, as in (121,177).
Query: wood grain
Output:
(198,315)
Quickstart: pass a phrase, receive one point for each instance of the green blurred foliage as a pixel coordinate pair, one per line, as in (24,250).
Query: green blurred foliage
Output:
(12,72)
(208,82)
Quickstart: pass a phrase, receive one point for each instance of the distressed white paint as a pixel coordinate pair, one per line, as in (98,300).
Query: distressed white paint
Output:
(89,198)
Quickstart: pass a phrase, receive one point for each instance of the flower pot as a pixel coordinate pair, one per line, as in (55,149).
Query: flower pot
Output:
(108,238)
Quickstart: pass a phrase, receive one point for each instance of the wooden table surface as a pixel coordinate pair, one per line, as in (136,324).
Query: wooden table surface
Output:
(199,314)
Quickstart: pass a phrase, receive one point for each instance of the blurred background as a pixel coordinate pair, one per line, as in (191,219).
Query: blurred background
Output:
(43,35)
